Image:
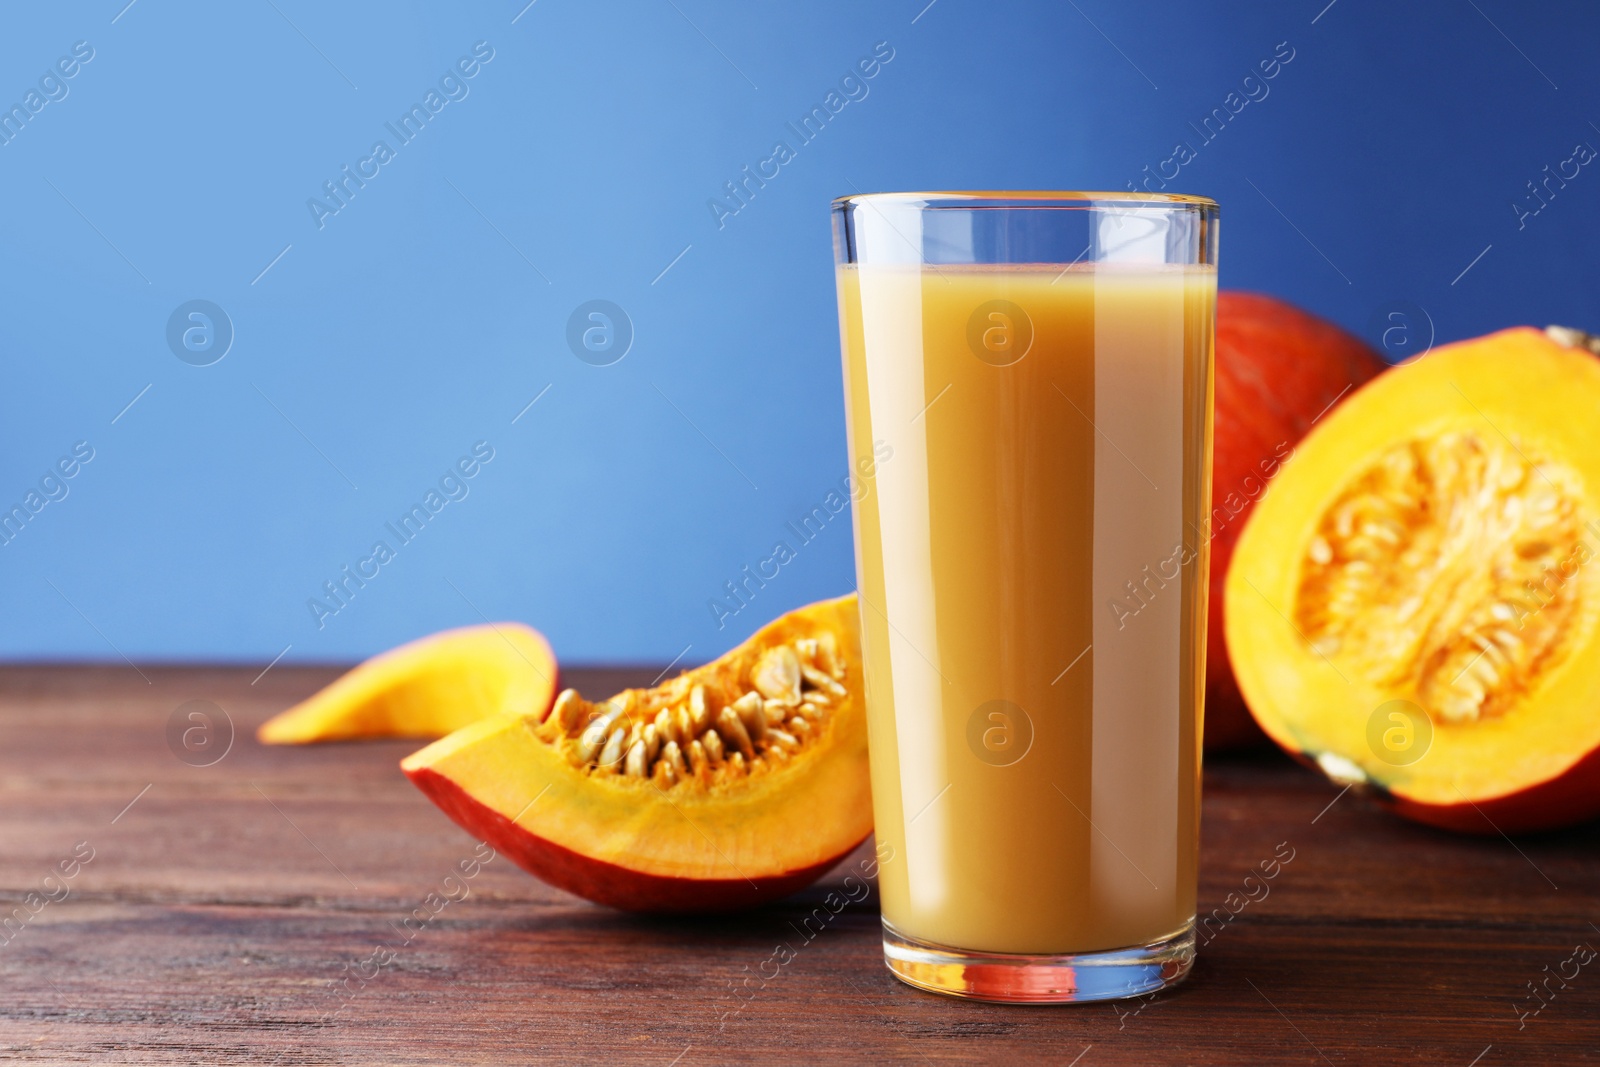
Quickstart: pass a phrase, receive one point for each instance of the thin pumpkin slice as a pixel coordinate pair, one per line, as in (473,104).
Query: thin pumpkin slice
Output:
(1415,604)
(730,785)
(427,688)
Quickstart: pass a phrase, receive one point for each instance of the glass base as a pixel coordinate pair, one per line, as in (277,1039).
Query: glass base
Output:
(1054,979)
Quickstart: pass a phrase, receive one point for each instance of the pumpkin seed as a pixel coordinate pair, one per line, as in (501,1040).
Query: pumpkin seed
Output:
(731,727)
(671,753)
(777,675)
(611,755)
(594,736)
(638,761)
(699,710)
(665,775)
(698,761)
(752,714)
(828,654)
(711,741)
(570,710)
(823,682)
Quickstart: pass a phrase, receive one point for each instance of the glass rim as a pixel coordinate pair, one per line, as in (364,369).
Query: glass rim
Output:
(1026,199)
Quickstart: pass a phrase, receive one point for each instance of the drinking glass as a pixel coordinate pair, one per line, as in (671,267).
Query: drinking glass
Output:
(1028,395)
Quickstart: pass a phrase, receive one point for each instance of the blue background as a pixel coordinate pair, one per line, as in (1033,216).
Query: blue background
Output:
(430,310)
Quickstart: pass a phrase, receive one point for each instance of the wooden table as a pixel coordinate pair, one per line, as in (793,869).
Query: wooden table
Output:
(229,911)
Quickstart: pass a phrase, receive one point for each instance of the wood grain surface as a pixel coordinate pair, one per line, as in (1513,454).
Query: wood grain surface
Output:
(253,911)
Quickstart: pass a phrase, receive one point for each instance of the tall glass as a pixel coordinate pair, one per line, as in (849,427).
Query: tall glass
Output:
(1028,380)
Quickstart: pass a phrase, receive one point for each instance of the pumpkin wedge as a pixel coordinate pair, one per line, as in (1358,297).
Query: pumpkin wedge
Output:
(1415,604)
(732,784)
(428,688)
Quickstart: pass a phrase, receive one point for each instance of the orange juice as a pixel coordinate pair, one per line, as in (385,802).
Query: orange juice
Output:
(1033,595)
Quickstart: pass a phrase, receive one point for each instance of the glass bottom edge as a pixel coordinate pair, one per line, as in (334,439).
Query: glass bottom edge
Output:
(1064,978)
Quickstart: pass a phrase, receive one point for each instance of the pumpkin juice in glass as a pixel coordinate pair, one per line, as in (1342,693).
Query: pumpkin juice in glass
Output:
(1031,566)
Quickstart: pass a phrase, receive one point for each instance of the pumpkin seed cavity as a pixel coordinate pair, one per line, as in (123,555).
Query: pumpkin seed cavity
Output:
(1448,570)
(682,732)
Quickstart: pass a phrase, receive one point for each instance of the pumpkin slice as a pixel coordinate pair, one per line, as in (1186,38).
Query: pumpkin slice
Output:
(1415,604)
(428,688)
(730,785)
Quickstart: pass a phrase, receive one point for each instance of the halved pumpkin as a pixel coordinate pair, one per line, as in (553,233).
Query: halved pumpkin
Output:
(730,785)
(1415,604)
(427,688)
